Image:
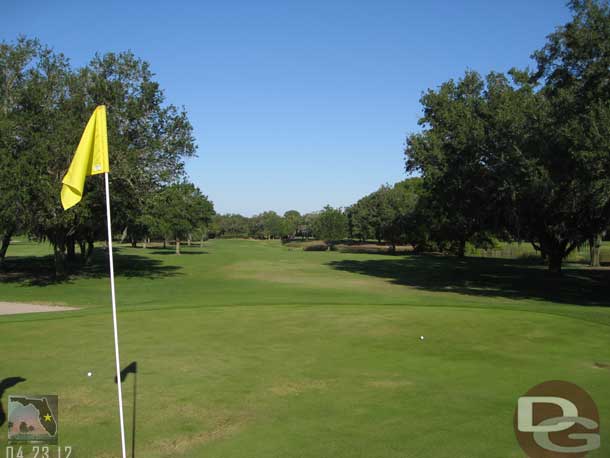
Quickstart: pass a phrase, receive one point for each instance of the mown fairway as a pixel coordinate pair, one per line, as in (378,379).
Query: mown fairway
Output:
(250,349)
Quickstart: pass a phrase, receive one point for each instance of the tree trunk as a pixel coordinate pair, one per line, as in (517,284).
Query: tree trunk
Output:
(144,242)
(178,246)
(82,245)
(201,241)
(188,240)
(555,259)
(393,248)
(134,243)
(6,241)
(59,255)
(539,249)
(461,248)
(89,256)
(124,234)
(595,244)
(164,243)
(71,248)
(556,251)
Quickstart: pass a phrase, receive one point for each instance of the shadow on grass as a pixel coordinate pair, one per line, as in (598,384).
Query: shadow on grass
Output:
(40,271)
(173,251)
(515,279)
(5,385)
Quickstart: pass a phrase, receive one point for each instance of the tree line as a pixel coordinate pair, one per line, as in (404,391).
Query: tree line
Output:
(522,156)
(328,224)
(44,105)
(387,214)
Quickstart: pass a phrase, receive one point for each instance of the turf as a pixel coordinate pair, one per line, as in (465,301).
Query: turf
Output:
(251,349)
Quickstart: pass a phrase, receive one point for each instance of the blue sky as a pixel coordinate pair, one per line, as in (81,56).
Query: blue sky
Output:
(295,104)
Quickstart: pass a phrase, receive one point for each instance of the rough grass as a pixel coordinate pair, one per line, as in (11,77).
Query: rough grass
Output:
(250,349)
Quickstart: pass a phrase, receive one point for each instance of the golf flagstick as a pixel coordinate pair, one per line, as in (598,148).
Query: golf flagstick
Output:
(114,320)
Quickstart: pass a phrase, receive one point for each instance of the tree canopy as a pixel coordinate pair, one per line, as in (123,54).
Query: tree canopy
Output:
(45,106)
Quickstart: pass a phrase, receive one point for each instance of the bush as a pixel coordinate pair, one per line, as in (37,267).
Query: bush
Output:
(316,246)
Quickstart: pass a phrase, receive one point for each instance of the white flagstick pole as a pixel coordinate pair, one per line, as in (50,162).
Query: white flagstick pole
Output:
(114,320)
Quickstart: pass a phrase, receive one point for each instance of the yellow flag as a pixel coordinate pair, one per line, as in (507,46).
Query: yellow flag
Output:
(91,158)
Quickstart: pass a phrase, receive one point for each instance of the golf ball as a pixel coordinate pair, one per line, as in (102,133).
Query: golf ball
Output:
(89,374)
(421,337)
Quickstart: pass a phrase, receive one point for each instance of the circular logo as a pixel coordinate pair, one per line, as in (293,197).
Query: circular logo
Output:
(557,419)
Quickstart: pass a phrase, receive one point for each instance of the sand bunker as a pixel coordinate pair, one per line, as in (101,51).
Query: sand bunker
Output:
(14,308)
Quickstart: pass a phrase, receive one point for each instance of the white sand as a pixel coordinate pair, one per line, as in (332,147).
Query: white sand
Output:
(14,308)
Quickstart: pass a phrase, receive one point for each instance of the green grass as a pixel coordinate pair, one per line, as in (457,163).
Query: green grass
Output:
(525,250)
(250,349)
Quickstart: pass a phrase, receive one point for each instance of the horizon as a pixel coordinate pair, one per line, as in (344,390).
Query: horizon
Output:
(297,107)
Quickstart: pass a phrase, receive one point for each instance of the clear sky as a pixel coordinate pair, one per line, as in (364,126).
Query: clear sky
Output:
(295,104)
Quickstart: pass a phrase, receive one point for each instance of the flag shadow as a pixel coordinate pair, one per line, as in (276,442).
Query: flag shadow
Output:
(5,385)
(132,368)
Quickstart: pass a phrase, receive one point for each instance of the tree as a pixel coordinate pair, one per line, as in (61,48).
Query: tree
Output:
(451,155)
(365,217)
(148,139)
(331,224)
(267,225)
(44,124)
(308,224)
(230,225)
(45,104)
(14,174)
(180,209)
(401,203)
(384,213)
(500,157)
(574,68)
(291,222)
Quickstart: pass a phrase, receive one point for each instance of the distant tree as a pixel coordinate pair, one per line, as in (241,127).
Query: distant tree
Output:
(384,214)
(401,200)
(291,221)
(331,224)
(421,226)
(180,209)
(308,224)
(201,233)
(23,427)
(362,219)
(230,225)
(266,225)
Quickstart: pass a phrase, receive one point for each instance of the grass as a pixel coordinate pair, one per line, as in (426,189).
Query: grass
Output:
(525,250)
(251,349)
